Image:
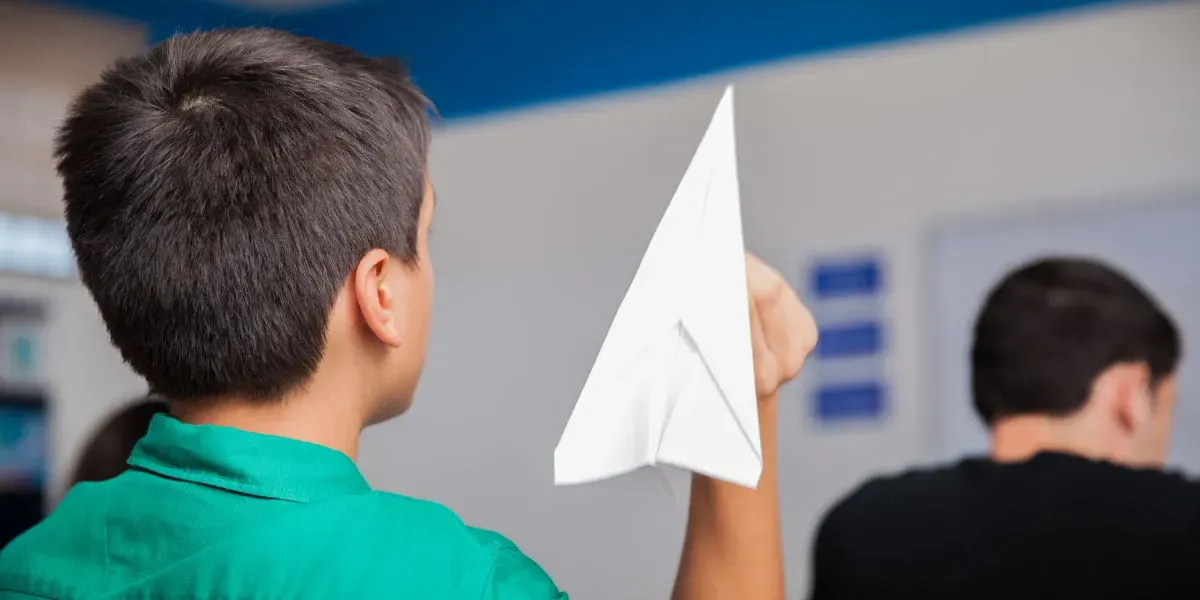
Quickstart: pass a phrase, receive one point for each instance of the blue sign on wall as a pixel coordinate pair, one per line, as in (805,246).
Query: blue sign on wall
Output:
(853,277)
(847,366)
(844,340)
(849,401)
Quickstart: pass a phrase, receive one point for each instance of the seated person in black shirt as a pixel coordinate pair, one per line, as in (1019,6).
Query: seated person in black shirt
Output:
(1072,370)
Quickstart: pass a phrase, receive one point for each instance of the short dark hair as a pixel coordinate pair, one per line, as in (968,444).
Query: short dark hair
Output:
(1049,328)
(106,453)
(221,187)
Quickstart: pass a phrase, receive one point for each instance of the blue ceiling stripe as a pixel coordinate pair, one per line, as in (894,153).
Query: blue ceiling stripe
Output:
(164,17)
(479,56)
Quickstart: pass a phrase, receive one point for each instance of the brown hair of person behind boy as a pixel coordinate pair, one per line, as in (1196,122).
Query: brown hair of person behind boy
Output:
(105,454)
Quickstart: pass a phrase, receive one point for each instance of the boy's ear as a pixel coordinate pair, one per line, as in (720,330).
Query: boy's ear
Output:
(1130,386)
(377,298)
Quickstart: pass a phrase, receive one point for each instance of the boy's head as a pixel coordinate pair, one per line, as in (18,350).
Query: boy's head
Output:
(1079,342)
(250,208)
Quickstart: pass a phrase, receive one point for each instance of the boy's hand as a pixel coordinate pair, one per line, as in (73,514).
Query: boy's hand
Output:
(782,330)
(734,546)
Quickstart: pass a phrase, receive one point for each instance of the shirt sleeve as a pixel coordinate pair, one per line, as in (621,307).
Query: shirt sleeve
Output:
(514,576)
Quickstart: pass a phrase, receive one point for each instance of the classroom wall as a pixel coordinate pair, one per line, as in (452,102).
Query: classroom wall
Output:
(543,216)
(46,55)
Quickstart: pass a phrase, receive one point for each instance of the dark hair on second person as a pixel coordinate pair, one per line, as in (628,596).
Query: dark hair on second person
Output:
(106,453)
(221,188)
(1051,327)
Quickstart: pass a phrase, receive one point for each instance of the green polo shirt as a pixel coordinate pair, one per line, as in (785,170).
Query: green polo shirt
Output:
(213,512)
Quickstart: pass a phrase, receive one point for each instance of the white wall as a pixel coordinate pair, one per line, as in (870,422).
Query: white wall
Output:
(46,55)
(543,216)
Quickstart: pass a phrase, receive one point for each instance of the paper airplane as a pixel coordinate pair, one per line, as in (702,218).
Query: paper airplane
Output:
(673,384)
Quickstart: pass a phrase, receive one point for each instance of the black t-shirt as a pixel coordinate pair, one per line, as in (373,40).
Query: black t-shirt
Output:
(1056,526)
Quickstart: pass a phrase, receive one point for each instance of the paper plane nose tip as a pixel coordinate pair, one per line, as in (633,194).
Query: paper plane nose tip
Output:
(726,102)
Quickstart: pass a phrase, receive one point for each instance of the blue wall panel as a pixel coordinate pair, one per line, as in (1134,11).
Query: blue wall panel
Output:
(477,56)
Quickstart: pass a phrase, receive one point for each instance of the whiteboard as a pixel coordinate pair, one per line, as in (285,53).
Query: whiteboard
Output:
(1156,243)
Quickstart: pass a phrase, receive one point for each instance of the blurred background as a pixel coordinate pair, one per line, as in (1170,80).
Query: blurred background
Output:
(895,159)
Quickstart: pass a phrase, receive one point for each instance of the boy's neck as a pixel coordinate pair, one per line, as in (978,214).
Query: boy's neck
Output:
(299,416)
(1017,439)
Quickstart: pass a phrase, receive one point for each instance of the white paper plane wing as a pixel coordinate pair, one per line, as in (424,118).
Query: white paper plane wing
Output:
(674,381)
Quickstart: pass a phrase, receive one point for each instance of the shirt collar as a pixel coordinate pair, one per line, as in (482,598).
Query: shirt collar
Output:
(247,463)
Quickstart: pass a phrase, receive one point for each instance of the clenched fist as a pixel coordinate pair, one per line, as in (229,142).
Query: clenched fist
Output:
(782,330)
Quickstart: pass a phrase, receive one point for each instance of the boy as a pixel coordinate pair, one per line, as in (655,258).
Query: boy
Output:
(1073,369)
(250,210)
